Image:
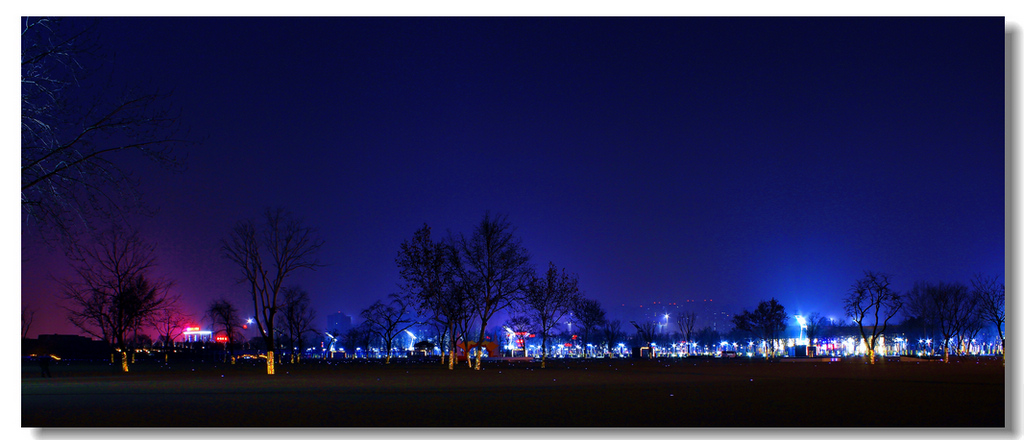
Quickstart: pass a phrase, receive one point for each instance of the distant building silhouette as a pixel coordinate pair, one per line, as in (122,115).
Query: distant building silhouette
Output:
(339,321)
(65,346)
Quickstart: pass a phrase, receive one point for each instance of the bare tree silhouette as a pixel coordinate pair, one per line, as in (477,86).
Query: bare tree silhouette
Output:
(113,291)
(495,269)
(74,131)
(871,298)
(390,319)
(547,300)
(267,256)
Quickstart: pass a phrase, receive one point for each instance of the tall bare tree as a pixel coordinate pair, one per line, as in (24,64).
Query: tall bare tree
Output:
(113,291)
(466,321)
(708,337)
(297,319)
(816,325)
(496,269)
(686,322)
(388,320)
(547,300)
(612,333)
(267,255)
(74,131)
(590,316)
(428,270)
(767,321)
(224,318)
(169,322)
(871,303)
(27,316)
(991,296)
(954,308)
(356,338)
(646,332)
(919,304)
(972,324)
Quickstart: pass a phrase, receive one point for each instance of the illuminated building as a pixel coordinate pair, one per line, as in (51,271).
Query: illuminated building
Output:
(194,334)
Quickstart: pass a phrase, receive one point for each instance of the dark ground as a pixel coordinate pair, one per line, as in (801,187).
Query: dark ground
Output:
(594,393)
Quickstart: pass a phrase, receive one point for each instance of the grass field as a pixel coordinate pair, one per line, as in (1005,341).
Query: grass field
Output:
(575,393)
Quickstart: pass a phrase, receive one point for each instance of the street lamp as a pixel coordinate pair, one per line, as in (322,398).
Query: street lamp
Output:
(412,339)
(803,326)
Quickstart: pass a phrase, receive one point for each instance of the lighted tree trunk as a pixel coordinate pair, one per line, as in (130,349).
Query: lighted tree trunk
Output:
(270,361)
(451,355)
(480,347)
(544,351)
(453,349)
(124,361)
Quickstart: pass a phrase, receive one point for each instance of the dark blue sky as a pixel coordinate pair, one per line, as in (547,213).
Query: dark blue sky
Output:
(660,159)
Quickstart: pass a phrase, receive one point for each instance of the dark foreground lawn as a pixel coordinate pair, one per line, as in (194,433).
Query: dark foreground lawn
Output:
(595,393)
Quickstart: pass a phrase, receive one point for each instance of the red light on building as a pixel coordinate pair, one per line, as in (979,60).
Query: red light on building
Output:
(221,339)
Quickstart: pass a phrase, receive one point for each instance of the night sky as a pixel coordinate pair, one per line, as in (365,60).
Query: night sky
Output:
(660,159)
